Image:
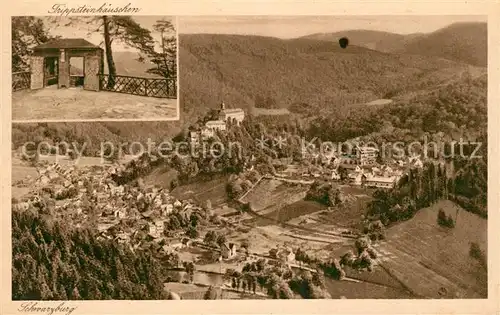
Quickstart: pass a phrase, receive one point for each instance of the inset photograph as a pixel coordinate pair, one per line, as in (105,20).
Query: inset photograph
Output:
(95,68)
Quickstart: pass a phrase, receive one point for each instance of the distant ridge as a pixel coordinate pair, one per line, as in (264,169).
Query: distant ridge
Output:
(463,42)
(376,40)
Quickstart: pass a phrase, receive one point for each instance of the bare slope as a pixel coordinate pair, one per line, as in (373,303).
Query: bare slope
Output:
(427,257)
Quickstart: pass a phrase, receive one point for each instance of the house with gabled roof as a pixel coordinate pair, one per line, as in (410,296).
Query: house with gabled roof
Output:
(228,250)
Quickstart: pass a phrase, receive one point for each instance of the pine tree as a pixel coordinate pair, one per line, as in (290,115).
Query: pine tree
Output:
(166,59)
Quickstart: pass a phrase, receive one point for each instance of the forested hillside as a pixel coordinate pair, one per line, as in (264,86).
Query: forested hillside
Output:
(94,133)
(243,69)
(456,110)
(465,42)
(52,261)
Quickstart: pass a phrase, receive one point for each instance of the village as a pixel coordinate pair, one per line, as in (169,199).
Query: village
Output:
(357,167)
(141,218)
(196,240)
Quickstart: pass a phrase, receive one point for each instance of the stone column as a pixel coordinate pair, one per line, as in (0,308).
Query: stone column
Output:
(92,65)
(63,68)
(37,72)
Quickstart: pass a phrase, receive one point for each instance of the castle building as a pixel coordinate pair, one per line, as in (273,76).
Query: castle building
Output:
(212,126)
(216,125)
(226,114)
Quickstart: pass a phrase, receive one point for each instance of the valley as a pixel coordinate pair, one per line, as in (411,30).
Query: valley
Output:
(277,220)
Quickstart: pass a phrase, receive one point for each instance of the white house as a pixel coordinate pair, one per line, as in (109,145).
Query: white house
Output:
(335,175)
(228,250)
(286,255)
(370,180)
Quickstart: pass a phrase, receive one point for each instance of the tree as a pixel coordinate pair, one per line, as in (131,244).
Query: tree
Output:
(166,59)
(27,32)
(445,220)
(273,253)
(211,294)
(221,239)
(190,268)
(72,155)
(192,232)
(105,271)
(210,238)
(246,245)
(174,223)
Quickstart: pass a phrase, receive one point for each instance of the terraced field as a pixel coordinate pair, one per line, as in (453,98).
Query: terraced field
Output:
(201,191)
(270,195)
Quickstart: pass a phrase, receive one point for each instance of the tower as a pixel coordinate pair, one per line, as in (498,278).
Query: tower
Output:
(222,106)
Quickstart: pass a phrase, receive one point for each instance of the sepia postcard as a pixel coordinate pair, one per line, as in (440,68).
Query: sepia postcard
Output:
(325,158)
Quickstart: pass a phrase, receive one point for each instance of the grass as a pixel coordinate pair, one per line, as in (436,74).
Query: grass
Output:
(161,176)
(421,249)
(364,290)
(269,111)
(201,191)
(289,212)
(270,195)
(379,102)
(20,172)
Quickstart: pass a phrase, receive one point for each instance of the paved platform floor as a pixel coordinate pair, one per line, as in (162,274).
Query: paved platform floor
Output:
(51,103)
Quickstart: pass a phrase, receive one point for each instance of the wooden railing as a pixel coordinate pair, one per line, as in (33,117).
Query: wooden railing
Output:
(21,80)
(164,88)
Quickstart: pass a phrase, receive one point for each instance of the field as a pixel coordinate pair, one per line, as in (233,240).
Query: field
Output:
(201,191)
(161,176)
(346,216)
(380,102)
(270,195)
(364,290)
(256,111)
(428,258)
(20,172)
(52,103)
(419,259)
(289,212)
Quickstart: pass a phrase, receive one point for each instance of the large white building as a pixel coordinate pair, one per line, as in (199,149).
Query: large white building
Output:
(366,155)
(226,114)
(216,125)
(370,180)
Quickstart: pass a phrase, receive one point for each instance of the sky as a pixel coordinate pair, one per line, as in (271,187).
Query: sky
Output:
(296,26)
(80,29)
(275,26)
